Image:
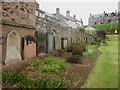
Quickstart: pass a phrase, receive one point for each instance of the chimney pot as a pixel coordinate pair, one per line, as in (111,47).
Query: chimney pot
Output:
(57,10)
(74,16)
(67,13)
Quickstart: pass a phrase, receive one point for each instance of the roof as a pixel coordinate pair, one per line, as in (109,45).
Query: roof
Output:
(90,28)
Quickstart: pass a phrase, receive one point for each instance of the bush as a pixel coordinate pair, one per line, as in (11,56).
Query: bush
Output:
(49,64)
(93,43)
(69,48)
(59,52)
(101,33)
(77,51)
(76,44)
(74,59)
(90,50)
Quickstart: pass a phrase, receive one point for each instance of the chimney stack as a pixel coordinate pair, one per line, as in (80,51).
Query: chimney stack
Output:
(57,10)
(74,16)
(104,12)
(90,14)
(67,13)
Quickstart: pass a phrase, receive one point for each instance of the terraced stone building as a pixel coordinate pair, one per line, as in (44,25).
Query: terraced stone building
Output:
(104,18)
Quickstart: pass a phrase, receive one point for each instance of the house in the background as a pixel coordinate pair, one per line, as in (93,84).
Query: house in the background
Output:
(104,18)
(67,21)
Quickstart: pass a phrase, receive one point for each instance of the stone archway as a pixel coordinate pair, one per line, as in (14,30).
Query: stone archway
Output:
(13,46)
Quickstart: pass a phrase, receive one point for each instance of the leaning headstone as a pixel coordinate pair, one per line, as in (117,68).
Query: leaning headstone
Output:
(50,42)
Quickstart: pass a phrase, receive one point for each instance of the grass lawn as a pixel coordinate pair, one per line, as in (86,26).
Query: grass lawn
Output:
(104,26)
(105,71)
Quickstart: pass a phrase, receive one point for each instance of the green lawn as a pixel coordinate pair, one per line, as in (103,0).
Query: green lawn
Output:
(107,26)
(105,71)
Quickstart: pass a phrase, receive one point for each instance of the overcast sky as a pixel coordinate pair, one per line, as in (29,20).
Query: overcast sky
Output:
(79,8)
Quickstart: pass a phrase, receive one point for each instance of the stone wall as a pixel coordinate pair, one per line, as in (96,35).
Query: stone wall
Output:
(18,22)
(19,12)
(23,32)
(63,36)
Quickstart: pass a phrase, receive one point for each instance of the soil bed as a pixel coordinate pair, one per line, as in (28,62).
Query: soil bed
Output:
(75,74)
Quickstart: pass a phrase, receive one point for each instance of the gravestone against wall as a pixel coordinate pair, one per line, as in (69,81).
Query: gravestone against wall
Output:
(41,42)
(57,42)
(13,46)
(64,43)
(50,42)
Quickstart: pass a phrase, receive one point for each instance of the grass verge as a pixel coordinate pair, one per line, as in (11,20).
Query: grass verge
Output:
(105,71)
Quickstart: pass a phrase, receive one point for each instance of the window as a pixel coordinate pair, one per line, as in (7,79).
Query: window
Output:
(105,18)
(106,14)
(112,17)
(112,14)
(36,13)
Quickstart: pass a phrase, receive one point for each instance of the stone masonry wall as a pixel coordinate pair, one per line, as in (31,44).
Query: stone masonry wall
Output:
(19,12)
(72,35)
(18,17)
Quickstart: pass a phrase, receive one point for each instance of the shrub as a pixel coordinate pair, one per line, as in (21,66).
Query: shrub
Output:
(90,50)
(101,33)
(49,64)
(76,44)
(59,52)
(69,48)
(74,59)
(93,43)
(77,51)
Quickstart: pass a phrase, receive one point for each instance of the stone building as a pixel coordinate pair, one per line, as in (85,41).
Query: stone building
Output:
(18,31)
(104,18)
(28,32)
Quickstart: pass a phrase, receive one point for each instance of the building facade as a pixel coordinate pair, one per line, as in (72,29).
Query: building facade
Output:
(104,18)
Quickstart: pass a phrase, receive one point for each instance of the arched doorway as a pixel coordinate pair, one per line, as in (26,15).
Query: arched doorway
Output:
(13,46)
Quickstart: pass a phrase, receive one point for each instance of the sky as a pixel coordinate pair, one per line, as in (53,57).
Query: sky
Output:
(78,7)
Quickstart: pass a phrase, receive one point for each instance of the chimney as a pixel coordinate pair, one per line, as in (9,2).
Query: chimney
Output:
(90,14)
(74,16)
(57,10)
(104,12)
(67,13)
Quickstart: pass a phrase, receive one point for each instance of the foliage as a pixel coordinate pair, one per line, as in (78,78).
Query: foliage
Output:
(81,29)
(104,26)
(75,59)
(89,50)
(88,31)
(49,64)
(59,52)
(76,44)
(77,51)
(101,34)
(16,77)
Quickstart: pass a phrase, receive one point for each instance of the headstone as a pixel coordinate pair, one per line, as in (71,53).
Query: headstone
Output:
(50,42)
(57,42)
(41,42)
(64,42)
(13,46)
